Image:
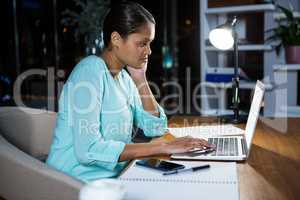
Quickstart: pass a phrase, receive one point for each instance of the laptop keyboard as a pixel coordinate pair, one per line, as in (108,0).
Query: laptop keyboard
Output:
(224,146)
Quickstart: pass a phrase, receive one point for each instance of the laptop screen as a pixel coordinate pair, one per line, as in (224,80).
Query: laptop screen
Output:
(254,113)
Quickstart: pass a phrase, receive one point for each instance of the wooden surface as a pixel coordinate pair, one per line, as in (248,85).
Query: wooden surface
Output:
(272,171)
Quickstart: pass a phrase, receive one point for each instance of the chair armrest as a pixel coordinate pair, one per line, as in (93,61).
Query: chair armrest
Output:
(24,177)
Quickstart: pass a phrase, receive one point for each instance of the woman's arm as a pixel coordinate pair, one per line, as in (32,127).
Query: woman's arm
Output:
(148,100)
(179,145)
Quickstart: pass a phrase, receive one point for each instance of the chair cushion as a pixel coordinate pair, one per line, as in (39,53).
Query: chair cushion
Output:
(29,129)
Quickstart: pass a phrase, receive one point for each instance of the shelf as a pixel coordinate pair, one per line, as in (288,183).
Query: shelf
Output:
(243,9)
(250,47)
(281,16)
(286,67)
(266,66)
(243,85)
(217,112)
(289,111)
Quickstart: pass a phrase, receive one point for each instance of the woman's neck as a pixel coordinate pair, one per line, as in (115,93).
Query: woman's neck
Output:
(113,64)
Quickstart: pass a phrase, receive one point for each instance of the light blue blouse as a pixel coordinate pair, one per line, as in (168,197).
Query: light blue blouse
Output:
(95,120)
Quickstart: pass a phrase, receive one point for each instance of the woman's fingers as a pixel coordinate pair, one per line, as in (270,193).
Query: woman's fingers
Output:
(186,144)
(206,144)
(197,142)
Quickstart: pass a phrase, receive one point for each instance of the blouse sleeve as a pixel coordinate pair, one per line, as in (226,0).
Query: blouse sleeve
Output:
(151,125)
(84,95)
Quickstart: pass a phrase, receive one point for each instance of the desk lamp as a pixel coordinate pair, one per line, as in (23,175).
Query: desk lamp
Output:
(224,37)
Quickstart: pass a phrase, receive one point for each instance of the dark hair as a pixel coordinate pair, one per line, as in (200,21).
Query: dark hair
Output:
(125,18)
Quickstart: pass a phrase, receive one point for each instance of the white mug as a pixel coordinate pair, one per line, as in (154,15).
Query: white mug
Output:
(103,189)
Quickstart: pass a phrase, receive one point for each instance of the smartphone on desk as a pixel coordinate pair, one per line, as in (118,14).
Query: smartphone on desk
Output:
(159,164)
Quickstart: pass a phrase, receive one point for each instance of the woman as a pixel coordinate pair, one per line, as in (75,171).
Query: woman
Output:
(100,103)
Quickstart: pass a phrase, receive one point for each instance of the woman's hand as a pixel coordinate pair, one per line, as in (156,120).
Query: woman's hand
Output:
(138,74)
(185,144)
(160,146)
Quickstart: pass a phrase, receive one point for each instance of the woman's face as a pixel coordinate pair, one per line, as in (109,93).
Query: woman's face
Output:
(135,49)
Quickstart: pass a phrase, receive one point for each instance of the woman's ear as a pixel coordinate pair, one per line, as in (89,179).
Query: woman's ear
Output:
(115,39)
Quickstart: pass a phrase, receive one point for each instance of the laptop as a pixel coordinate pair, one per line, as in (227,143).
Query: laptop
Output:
(231,148)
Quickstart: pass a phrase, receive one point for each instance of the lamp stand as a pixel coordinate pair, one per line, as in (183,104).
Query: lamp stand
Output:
(236,118)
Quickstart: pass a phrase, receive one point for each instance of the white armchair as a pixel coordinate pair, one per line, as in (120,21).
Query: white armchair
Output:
(25,139)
